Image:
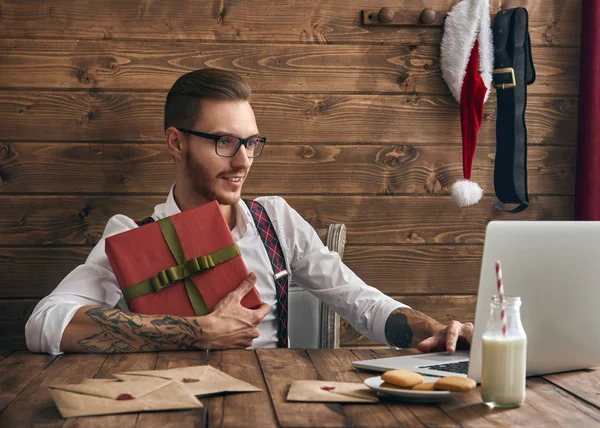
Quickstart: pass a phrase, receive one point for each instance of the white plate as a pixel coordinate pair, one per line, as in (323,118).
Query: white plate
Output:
(407,394)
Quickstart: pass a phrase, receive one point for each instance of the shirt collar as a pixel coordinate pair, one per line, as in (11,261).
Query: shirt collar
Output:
(171,207)
(243,216)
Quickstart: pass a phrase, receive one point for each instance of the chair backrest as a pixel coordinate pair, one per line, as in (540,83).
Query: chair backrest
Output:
(312,323)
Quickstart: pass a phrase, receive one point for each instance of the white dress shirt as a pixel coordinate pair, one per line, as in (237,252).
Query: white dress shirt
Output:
(309,263)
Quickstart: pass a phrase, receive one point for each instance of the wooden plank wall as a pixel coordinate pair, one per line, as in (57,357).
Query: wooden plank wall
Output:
(362,130)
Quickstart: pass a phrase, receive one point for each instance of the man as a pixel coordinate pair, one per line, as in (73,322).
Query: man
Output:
(213,138)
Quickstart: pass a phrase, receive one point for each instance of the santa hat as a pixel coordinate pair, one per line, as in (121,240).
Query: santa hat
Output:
(467,62)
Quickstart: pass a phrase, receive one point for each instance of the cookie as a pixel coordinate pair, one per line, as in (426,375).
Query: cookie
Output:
(455,384)
(391,385)
(402,378)
(425,386)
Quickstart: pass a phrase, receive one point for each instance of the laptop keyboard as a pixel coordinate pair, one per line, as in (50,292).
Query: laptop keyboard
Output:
(460,367)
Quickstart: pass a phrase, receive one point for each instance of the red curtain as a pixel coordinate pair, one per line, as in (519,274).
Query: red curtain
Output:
(587,183)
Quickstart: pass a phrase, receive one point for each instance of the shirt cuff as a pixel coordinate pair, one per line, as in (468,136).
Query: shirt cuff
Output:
(381,318)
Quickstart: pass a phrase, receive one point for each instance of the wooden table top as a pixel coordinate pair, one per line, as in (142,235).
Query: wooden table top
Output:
(566,399)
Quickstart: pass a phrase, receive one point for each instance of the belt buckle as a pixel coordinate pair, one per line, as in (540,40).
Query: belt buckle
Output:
(503,71)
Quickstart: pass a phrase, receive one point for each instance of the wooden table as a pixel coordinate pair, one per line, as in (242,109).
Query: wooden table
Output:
(568,399)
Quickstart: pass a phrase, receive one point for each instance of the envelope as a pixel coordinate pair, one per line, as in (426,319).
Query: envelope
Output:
(197,380)
(105,396)
(325,391)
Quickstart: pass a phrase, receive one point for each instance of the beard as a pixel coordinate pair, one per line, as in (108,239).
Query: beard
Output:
(203,184)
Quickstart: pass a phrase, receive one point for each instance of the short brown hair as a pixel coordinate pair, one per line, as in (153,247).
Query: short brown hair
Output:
(183,101)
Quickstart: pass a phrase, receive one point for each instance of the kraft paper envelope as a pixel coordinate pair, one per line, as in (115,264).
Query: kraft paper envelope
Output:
(198,380)
(325,391)
(104,397)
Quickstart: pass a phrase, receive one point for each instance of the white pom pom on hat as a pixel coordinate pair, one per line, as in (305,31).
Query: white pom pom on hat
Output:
(467,62)
(466,192)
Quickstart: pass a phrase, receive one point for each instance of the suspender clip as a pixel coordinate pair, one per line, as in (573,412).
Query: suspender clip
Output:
(280,274)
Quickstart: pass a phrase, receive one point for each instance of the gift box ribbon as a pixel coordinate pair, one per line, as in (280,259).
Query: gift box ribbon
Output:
(184,270)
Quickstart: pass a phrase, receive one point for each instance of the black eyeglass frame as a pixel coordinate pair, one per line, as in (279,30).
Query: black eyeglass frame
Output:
(216,139)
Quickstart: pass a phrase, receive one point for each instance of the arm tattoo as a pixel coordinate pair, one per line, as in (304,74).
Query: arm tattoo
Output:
(406,327)
(397,330)
(123,332)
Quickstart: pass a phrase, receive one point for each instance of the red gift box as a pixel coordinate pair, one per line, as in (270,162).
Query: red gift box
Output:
(143,259)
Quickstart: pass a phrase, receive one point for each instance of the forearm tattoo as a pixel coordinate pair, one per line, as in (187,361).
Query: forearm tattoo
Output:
(406,327)
(397,331)
(123,332)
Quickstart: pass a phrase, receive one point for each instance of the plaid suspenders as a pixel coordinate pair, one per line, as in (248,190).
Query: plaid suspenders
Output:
(271,243)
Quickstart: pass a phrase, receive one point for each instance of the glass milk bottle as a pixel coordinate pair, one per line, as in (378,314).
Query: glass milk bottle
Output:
(504,359)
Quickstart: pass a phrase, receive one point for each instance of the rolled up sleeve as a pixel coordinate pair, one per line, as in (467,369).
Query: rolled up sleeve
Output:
(90,284)
(320,271)
(328,278)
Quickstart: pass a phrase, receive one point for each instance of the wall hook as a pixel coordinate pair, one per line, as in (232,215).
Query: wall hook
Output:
(389,17)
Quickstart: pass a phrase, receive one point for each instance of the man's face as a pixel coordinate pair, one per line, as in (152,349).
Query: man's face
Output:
(211,176)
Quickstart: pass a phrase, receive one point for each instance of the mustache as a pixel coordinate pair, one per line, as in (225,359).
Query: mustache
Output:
(236,172)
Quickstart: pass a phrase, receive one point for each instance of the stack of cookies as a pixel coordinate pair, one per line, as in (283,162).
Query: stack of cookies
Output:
(406,379)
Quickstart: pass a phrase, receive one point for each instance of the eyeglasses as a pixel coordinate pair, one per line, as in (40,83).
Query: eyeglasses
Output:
(228,145)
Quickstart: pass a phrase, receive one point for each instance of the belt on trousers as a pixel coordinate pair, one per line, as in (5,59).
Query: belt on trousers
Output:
(513,71)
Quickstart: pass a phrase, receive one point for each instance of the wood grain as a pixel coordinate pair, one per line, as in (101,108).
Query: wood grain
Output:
(536,408)
(95,115)
(468,407)
(418,269)
(422,415)
(546,404)
(78,220)
(331,21)
(565,410)
(441,308)
(239,409)
(17,371)
(226,409)
(337,367)
(35,272)
(155,65)
(276,366)
(191,417)
(34,405)
(583,384)
(117,363)
(354,169)
(414,269)
(13,316)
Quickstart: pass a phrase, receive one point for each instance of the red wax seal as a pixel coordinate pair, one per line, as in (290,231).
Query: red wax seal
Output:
(125,397)
(328,388)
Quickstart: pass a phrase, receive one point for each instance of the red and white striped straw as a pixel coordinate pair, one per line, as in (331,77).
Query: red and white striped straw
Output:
(501,295)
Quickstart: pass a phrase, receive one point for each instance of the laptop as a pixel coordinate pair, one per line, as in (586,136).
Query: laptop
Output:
(554,266)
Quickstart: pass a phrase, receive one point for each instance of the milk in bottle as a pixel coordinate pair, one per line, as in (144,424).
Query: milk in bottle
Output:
(504,356)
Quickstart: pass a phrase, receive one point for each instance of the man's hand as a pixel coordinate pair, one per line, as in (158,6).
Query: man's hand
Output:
(454,336)
(407,328)
(107,330)
(231,325)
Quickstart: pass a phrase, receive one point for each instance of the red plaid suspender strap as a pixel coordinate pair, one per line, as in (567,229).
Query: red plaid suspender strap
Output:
(271,243)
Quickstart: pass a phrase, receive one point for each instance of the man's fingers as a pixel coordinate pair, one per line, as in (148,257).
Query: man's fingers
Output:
(246,285)
(467,331)
(447,337)
(452,335)
(428,344)
(263,311)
